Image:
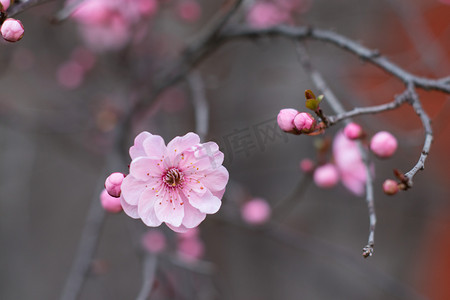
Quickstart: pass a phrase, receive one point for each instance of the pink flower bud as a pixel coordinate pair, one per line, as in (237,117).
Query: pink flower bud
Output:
(326,176)
(256,211)
(189,11)
(109,203)
(306,165)
(390,187)
(353,131)
(304,122)
(154,241)
(113,184)
(12,30)
(4,5)
(383,144)
(285,119)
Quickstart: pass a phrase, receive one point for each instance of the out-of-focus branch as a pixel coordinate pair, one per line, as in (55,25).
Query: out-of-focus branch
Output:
(86,249)
(372,56)
(67,11)
(336,105)
(148,275)
(200,102)
(196,52)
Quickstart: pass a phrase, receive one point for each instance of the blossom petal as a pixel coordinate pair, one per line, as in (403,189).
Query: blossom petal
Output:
(180,144)
(137,149)
(216,180)
(146,208)
(206,203)
(179,229)
(132,189)
(154,146)
(146,168)
(168,207)
(192,216)
(130,210)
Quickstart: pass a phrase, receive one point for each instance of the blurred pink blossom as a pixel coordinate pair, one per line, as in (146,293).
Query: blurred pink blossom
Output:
(306,165)
(383,144)
(256,211)
(349,164)
(189,10)
(109,203)
(154,241)
(5,4)
(267,14)
(353,131)
(70,74)
(84,57)
(326,176)
(177,184)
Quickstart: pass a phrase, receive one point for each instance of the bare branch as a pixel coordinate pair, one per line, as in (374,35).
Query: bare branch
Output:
(366,54)
(20,7)
(426,123)
(358,111)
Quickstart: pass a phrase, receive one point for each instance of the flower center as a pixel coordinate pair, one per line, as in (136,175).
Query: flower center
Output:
(173,177)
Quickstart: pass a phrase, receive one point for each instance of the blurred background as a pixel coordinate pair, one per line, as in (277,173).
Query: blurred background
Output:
(66,86)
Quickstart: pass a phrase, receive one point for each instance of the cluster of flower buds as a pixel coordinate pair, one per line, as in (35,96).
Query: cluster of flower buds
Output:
(12,30)
(292,121)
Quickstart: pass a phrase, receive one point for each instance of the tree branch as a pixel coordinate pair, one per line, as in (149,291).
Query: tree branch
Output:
(372,56)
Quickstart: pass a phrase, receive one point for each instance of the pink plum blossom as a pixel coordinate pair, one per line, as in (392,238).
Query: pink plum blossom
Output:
(12,30)
(348,161)
(305,122)
(256,211)
(113,183)
(266,14)
(154,241)
(383,144)
(285,119)
(109,203)
(326,176)
(177,184)
(390,187)
(353,131)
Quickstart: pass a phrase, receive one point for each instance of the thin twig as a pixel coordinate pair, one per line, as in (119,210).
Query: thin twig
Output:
(148,275)
(372,56)
(358,111)
(67,11)
(426,123)
(337,107)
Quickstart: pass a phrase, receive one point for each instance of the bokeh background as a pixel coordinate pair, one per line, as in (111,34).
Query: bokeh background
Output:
(56,134)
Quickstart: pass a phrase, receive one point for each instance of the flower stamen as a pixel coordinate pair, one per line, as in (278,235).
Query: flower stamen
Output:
(173,177)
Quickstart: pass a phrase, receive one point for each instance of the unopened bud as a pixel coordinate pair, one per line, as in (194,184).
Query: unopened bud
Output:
(304,122)
(113,184)
(383,144)
(109,203)
(353,131)
(12,30)
(326,176)
(4,5)
(390,187)
(285,119)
